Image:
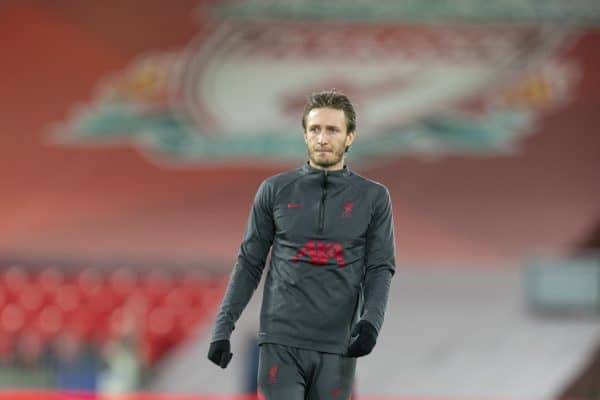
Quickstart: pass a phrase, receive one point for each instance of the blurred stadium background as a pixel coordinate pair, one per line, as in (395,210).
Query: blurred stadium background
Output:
(133,135)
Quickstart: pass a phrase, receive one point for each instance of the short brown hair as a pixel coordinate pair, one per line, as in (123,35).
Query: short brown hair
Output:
(331,99)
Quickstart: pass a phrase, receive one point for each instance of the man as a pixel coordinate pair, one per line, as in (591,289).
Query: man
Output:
(331,237)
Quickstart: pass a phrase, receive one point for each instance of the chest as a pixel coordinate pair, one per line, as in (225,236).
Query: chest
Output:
(334,212)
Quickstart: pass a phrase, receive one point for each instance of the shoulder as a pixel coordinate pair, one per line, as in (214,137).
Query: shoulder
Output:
(273,185)
(279,181)
(371,186)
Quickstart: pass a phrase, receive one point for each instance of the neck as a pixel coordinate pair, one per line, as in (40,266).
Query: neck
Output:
(335,167)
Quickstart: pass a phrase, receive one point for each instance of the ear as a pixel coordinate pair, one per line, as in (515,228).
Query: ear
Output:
(305,137)
(350,138)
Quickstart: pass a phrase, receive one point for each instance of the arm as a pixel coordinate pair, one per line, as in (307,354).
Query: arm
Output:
(380,266)
(380,261)
(248,269)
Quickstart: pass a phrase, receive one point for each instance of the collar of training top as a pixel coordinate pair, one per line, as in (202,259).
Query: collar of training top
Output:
(308,169)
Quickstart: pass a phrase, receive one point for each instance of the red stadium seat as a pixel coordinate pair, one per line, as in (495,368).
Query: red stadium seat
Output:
(81,324)
(156,285)
(177,298)
(50,321)
(50,280)
(14,278)
(121,283)
(68,298)
(30,297)
(89,282)
(12,319)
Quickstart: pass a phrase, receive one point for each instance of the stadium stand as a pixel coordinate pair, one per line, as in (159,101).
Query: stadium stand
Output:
(68,327)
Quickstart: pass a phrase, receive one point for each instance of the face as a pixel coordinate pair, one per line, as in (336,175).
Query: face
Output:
(326,137)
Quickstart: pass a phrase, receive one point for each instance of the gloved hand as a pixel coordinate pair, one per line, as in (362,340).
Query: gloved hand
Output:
(220,353)
(364,336)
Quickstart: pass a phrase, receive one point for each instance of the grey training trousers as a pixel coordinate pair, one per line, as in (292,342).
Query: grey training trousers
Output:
(290,373)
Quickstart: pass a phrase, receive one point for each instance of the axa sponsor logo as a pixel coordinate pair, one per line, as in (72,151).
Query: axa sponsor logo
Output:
(319,253)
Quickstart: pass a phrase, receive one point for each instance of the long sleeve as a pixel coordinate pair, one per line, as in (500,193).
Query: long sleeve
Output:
(380,260)
(248,269)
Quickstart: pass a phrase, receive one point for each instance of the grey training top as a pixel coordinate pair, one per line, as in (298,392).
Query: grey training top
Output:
(331,237)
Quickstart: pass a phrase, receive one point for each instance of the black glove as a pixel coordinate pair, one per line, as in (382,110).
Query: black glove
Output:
(220,353)
(364,336)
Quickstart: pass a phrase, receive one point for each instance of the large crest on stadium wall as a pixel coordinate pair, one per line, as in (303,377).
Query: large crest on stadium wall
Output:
(238,92)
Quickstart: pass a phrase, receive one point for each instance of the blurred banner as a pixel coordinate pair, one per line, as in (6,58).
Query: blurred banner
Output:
(138,134)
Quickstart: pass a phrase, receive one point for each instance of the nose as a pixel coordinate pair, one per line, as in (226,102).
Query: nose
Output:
(322,138)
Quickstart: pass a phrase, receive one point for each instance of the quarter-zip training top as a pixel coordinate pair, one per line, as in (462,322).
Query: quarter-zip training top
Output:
(331,238)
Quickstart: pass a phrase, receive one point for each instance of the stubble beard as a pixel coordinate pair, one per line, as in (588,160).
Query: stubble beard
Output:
(329,160)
